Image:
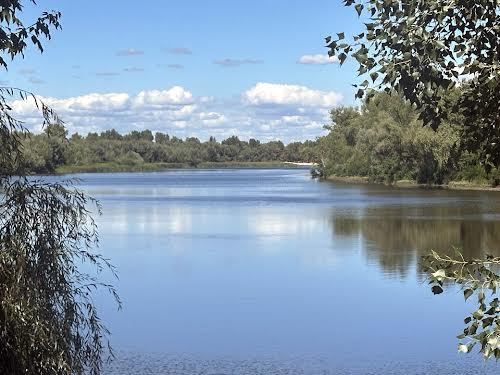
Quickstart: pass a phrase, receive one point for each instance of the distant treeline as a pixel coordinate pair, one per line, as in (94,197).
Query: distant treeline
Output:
(45,152)
(382,141)
(385,141)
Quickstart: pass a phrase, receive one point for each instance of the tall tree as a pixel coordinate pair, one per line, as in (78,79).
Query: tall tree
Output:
(424,48)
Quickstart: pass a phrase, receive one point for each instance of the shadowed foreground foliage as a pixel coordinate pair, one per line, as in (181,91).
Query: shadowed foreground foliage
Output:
(48,322)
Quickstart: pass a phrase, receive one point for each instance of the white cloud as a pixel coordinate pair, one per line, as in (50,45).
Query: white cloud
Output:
(91,103)
(174,96)
(212,118)
(271,93)
(317,59)
(266,111)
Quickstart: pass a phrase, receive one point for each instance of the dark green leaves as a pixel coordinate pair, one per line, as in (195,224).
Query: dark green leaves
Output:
(359,8)
(436,289)
(13,40)
(426,47)
(468,293)
(342,58)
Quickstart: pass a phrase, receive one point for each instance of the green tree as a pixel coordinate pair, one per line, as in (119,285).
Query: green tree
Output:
(422,49)
(161,138)
(48,322)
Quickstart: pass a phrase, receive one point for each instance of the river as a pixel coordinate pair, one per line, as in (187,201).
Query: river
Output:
(271,272)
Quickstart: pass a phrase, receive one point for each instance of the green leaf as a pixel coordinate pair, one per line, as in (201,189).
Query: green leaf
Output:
(359,8)
(468,293)
(342,58)
(439,274)
(436,289)
(480,296)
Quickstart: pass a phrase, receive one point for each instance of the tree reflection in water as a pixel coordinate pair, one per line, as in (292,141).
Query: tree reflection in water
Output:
(397,236)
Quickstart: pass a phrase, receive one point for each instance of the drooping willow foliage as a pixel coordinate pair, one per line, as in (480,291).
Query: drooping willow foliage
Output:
(48,320)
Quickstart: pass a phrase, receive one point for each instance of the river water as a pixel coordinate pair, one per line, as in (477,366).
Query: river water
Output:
(271,272)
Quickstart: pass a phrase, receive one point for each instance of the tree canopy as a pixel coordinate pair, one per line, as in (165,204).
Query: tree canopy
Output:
(52,149)
(424,48)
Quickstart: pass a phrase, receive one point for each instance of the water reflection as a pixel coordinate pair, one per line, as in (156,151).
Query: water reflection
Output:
(222,270)
(396,237)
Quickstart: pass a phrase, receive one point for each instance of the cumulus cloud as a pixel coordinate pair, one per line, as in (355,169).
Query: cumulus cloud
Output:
(212,118)
(317,60)
(180,51)
(237,62)
(266,111)
(129,52)
(281,94)
(176,96)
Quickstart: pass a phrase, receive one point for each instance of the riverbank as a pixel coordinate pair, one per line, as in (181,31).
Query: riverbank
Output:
(155,167)
(409,184)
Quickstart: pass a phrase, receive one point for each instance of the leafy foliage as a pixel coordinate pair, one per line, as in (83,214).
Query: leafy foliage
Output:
(476,277)
(424,48)
(15,36)
(386,142)
(48,322)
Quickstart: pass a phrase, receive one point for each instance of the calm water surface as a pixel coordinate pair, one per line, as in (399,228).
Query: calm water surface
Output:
(270,272)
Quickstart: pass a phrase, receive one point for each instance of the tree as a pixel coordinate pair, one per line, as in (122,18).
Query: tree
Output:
(111,135)
(161,138)
(422,49)
(48,322)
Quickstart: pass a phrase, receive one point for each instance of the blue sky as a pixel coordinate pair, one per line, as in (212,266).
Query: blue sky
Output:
(218,67)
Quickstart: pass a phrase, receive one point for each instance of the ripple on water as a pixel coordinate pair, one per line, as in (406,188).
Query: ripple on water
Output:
(158,364)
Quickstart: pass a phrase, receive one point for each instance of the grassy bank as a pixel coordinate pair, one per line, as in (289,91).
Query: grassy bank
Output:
(154,167)
(452,185)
